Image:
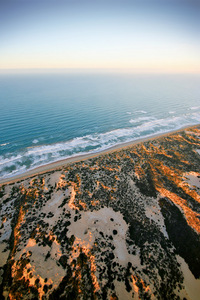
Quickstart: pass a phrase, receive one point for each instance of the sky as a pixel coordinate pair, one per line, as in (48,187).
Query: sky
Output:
(135,36)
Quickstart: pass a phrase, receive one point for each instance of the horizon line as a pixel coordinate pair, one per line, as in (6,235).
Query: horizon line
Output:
(90,70)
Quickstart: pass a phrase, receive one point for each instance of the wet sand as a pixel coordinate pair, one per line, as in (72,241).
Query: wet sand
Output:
(64,162)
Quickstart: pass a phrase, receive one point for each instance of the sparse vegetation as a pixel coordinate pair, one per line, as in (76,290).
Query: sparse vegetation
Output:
(99,223)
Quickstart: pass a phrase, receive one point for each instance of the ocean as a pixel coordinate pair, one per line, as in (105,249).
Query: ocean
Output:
(48,117)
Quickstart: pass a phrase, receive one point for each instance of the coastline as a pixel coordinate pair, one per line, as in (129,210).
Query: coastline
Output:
(130,209)
(64,162)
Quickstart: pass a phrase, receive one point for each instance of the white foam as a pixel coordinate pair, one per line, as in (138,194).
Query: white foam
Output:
(9,160)
(138,120)
(35,141)
(17,171)
(40,155)
(140,111)
(81,143)
(194,107)
(195,116)
(4,144)
(172,122)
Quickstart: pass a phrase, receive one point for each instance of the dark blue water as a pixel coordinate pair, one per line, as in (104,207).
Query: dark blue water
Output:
(47,117)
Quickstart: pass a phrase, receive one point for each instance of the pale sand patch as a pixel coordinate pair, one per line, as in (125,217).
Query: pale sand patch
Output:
(193,179)
(40,267)
(87,230)
(52,205)
(31,243)
(4,255)
(122,293)
(56,200)
(54,178)
(91,223)
(72,197)
(191,284)
(56,251)
(6,230)
(153,212)
(7,190)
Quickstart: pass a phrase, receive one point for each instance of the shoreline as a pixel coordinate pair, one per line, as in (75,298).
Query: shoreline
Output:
(64,162)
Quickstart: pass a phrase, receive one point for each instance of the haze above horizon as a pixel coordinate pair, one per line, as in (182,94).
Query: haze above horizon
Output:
(130,36)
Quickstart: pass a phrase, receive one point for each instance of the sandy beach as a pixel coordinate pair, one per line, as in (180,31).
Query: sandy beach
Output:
(64,162)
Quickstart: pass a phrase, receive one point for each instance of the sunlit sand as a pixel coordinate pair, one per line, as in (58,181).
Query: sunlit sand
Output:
(106,225)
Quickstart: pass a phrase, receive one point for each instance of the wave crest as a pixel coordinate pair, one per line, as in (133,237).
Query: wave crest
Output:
(142,127)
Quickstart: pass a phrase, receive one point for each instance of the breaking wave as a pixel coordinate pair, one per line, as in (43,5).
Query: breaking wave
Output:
(194,107)
(141,119)
(4,144)
(35,141)
(141,111)
(141,127)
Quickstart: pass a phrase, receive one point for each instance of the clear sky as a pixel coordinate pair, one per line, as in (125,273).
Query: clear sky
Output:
(139,36)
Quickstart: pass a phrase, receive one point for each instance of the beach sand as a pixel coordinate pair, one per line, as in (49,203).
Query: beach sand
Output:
(64,162)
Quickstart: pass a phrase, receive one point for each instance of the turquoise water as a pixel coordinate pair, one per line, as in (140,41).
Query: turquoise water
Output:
(48,117)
